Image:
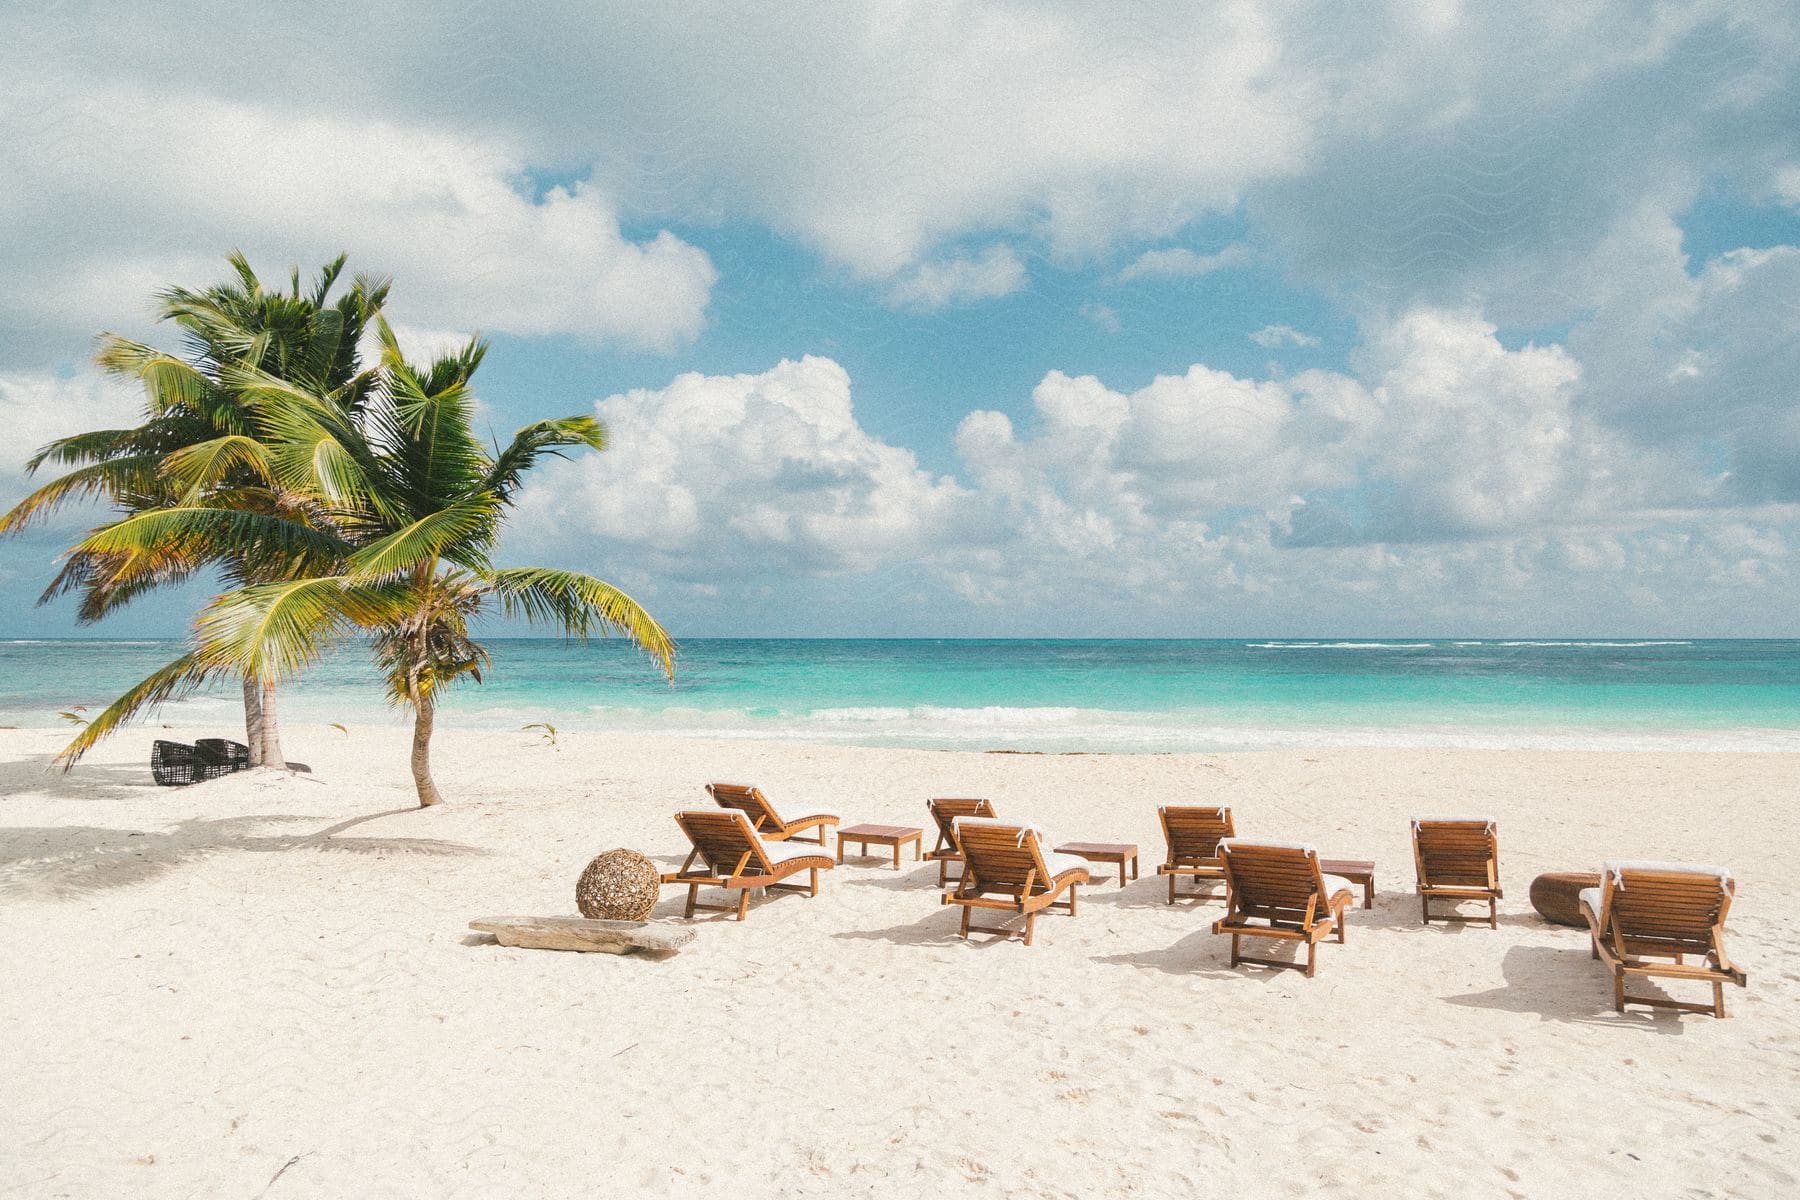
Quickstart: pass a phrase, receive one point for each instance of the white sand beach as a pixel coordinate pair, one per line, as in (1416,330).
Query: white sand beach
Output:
(264,986)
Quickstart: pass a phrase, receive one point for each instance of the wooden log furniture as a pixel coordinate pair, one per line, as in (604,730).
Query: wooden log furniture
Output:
(1278,890)
(767,822)
(1457,859)
(579,933)
(1117,853)
(1643,912)
(1193,834)
(1557,896)
(728,854)
(944,814)
(895,836)
(1005,869)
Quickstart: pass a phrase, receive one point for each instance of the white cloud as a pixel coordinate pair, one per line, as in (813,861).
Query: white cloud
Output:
(744,477)
(1180,263)
(1103,316)
(159,183)
(996,271)
(1273,336)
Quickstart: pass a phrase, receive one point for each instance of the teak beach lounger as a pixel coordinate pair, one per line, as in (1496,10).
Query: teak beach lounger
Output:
(767,822)
(728,854)
(1194,835)
(1644,911)
(1280,885)
(945,812)
(1457,858)
(1006,868)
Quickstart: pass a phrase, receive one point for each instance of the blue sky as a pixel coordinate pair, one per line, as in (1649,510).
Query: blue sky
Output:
(1000,319)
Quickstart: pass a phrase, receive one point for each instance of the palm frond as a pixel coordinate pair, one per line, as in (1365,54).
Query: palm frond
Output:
(94,446)
(193,469)
(273,545)
(582,606)
(455,533)
(535,441)
(168,682)
(272,631)
(112,478)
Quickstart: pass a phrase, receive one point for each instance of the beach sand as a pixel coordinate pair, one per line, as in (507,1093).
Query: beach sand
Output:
(264,986)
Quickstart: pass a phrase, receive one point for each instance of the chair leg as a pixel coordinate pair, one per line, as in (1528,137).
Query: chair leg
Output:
(1073,888)
(1234,949)
(965,920)
(1618,991)
(1493,913)
(743,903)
(1425,909)
(693,899)
(815,881)
(1171,889)
(1312,958)
(1030,925)
(1718,999)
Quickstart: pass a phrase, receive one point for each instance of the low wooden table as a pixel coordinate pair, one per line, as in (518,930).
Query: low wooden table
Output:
(1557,896)
(1356,870)
(1106,852)
(881,835)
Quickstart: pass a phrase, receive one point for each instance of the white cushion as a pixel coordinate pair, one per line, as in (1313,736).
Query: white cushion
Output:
(1335,883)
(780,852)
(1058,863)
(1306,846)
(1722,874)
(961,823)
(1591,898)
(1488,821)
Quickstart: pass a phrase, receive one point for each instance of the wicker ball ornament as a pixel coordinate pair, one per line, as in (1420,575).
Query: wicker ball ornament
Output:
(620,885)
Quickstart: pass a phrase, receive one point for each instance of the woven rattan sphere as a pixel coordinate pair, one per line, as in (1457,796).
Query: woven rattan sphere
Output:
(620,885)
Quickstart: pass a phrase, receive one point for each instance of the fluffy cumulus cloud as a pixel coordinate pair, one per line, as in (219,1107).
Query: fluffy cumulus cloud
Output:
(744,478)
(1448,475)
(1179,262)
(159,183)
(39,408)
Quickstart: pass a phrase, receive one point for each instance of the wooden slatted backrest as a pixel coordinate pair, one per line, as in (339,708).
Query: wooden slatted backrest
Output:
(1273,880)
(1456,852)
(1000,855)
(1194,833)
(723,837)
(751,802)
(1671,904)
(945,812)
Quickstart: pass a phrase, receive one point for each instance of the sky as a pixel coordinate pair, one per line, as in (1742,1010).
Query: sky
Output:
(951,319)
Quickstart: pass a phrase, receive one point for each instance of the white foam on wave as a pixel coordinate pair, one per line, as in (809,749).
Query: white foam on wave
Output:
(1598,645)
(1340,645)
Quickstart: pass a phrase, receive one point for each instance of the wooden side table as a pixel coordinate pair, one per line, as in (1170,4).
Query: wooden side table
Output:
(881,835)
(1106,852)
(1356,870)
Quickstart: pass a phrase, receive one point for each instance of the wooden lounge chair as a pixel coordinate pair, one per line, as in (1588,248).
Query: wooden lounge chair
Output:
(1643,911)
(1005,867)
(1457,858)
(1281,886)
(945,812)
(728,854)
(767,822)
(1194,835)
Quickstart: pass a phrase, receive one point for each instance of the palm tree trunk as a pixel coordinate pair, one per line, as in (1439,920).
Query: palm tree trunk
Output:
(271,731)
(253,720)
(421,755)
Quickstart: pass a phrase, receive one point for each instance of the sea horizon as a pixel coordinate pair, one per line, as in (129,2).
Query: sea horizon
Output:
(1050,695)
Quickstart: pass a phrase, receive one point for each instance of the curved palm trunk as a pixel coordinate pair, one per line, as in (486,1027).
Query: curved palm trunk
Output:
(421,754)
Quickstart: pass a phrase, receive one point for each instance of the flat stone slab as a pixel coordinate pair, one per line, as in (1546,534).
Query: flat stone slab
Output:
(579,933)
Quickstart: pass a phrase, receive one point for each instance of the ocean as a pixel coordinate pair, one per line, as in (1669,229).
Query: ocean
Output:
(1050,696)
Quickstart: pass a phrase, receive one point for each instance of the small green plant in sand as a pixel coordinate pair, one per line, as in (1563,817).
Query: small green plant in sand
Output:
(549,731)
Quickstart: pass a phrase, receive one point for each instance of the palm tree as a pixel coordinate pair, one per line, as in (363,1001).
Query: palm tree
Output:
(199,431)
(413,506)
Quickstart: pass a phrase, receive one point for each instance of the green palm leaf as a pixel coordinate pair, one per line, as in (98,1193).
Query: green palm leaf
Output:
(582,606)
(272,631)
(177,678)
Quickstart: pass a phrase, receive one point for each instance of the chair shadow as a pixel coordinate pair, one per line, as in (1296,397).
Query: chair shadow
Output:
(937,929)
(73,861)
(1559,984)
(1204,955)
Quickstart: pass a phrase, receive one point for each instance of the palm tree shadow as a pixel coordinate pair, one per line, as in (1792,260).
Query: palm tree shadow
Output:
(1563,985)
(66,862)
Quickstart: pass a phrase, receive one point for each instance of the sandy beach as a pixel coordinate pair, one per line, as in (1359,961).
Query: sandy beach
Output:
(264,986)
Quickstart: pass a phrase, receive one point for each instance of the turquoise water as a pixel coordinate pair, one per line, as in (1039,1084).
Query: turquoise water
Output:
(1044,695)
